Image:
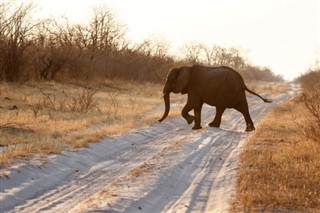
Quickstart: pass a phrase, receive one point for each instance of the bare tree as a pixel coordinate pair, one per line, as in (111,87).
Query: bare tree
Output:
(211,55)
(15,36)
(237,58)
(59,49)
(105,31)
(193,52)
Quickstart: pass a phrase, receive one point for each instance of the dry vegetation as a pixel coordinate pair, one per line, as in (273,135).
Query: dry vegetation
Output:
(44,118)
(280,166)
(59,50)
(66,84)
(262,87)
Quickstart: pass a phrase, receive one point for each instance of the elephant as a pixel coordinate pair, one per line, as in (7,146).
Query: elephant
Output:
(222,87)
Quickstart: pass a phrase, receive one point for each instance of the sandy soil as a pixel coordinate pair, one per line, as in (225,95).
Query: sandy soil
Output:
(166,167)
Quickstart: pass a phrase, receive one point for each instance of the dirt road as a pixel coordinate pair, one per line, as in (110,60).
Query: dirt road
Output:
(166,167)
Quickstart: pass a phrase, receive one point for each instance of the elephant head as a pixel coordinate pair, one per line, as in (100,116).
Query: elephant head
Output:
(177,82)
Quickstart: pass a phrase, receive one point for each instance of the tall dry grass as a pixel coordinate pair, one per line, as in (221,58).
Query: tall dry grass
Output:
(280,166)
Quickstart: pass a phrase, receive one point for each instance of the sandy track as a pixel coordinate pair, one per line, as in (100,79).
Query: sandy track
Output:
(166,167)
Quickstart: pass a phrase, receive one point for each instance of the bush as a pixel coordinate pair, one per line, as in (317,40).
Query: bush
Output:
(311,98)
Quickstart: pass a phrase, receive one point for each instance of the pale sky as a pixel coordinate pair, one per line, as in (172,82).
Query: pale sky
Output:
(283,35)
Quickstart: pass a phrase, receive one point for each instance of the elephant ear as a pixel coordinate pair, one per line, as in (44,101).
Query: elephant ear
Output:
(182,80)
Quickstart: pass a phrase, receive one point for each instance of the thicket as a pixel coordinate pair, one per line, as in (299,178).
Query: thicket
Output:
(310,96)
(58,50)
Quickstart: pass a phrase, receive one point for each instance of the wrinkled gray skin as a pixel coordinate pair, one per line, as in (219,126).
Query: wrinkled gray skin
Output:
(221,87)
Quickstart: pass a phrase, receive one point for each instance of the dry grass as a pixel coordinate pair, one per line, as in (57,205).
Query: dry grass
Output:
(267,87)
(280,167)
(45,118)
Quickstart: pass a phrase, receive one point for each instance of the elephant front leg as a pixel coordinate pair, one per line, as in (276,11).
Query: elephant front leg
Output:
(197,118)
(185,113)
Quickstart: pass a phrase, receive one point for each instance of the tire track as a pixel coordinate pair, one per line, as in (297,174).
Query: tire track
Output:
(89,181)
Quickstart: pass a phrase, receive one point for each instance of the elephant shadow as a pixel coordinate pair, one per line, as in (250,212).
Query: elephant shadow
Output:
(209,131)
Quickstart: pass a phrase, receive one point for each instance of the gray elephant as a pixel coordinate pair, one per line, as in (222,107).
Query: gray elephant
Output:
(221,87)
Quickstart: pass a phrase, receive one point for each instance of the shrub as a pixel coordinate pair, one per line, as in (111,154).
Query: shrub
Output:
(311,98)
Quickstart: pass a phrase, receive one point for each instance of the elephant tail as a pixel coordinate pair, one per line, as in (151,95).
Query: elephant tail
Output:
(264,99)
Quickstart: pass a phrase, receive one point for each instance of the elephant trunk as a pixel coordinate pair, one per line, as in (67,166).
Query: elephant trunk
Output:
(167,106)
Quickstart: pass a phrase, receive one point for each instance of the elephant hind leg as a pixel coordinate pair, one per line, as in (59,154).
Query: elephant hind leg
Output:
(217,119)
(250,127)
(244,109)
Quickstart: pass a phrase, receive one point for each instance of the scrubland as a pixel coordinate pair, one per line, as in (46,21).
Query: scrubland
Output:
(62,87)
(60,78)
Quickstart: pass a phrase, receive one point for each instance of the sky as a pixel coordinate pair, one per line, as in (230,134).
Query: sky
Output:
(283,35)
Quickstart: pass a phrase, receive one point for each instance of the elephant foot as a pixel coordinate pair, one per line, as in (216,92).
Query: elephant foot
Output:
(196,127)
(213,124)
(250,128)
(189,119)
